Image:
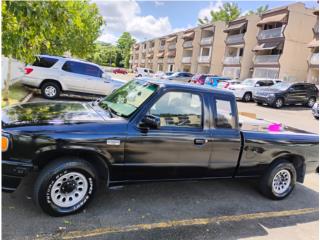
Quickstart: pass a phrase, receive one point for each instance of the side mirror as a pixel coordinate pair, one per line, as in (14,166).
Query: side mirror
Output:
(149,122)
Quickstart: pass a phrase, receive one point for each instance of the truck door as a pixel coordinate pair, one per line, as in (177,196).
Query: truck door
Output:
(225,135)
(180,148)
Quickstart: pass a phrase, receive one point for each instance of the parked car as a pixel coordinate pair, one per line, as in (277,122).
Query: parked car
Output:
(145,131)
(179,76)
(288,94)
(119,71)
(228,83)
(244,91)
(215,80)
(143,72)
(54,75)
(315,110)
(199,78)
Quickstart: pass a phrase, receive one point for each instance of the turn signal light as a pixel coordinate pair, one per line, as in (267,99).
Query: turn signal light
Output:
(4,144)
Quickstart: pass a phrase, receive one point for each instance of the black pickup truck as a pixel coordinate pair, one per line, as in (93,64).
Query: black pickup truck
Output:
(145,131)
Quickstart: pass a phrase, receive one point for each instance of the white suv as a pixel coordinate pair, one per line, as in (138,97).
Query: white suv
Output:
(54,75)
(246,89)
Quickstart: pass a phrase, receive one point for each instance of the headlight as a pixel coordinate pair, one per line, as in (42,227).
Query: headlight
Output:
(4,143)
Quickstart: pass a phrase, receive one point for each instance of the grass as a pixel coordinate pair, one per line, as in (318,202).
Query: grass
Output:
(16,93)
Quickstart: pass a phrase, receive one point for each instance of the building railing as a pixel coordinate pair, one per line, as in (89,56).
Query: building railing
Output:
(232,60)
(314,60)
(265,59)
(144,50)
(160,60)
(270,33)
(238,38)
(150,49)
(186,59)
(232,72)
(187,44)
(150,60)
(136,61)
(206,40)
(204,59)
(172,46)
(161,47)
(170,60)
(143,60)
(265,72)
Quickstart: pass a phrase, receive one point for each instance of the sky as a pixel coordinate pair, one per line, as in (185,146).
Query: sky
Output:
(151,19)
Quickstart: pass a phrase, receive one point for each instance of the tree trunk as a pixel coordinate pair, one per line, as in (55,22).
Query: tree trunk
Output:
(6,82)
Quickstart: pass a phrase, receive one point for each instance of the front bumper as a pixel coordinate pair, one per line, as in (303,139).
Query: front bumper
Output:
(13,172)
(261,99)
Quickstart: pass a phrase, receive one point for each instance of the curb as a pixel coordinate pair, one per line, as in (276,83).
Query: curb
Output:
(27,98)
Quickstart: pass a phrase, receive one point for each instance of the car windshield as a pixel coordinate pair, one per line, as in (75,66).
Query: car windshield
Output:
(249,82)
(125,100)
(282,86)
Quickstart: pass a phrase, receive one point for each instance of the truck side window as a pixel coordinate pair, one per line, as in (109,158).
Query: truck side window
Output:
(224,117)
(178,109)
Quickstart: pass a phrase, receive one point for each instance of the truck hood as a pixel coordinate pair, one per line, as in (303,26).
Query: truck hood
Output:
(49,113)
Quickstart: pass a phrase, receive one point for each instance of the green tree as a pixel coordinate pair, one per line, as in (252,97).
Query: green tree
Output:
(124,44)
(54,27)
(226,13)
(259,11)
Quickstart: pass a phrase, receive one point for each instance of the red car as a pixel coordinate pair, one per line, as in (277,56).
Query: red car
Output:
(199,78)
(119,71)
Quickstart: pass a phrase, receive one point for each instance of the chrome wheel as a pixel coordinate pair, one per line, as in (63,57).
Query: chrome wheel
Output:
(279,103)
(311,102)
(247,97)
(281,182)
(50,91)
(69,189)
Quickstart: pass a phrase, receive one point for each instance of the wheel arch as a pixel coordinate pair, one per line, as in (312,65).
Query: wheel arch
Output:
(297,161)
(98,161)
(51,80)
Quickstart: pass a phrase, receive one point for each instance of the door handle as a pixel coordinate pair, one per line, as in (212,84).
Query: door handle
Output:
(106,81)
(200,141)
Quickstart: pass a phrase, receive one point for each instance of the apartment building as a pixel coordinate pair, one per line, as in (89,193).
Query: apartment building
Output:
(282,38)
(240,40)
(273,45)
(313,61)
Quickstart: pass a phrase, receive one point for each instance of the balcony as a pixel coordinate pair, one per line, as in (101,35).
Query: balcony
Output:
(204,59)
(266,59)
(238,38)
(161,47)
(151,49)
(144,50)
(135,61)
(206,41)
(160,60)
(314,60)
(187,44)
(172,46)
(186,59)
(265,72)
(143,60)
(170,60)
(270,33)
(232,60)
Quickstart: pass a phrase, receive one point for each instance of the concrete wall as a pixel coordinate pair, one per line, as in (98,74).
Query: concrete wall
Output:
(218,49)
(17,71)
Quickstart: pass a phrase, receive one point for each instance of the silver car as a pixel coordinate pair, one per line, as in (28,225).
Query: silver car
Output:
(53,75)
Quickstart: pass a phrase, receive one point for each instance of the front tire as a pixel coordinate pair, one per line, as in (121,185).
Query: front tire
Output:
(278,103)
(311,102)
(247,97)
(50,90)
(279,181)
(65,186)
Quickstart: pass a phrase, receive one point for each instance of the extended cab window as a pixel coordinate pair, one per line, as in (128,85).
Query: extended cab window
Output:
(178,109)
(224,117)
(45,62)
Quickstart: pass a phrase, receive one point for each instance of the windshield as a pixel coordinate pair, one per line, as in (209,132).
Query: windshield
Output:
(248,82)
(282,86)
(125,100)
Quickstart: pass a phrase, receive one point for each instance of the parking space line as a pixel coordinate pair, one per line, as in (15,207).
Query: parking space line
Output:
(186,222)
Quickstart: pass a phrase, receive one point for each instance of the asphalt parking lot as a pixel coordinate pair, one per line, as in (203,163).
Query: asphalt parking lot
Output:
(220,209)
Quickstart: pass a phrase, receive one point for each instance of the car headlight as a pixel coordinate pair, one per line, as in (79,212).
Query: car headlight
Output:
(4,143)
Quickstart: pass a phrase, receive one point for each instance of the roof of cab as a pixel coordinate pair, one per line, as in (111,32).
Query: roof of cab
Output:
(69,59)
(186,86)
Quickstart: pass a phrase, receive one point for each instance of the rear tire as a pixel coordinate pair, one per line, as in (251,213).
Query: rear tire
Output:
(247,97)
(50,90)
(65,186)
(311,102)
(259,103)
(279,180)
